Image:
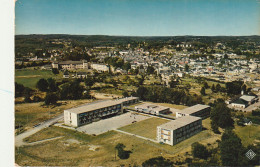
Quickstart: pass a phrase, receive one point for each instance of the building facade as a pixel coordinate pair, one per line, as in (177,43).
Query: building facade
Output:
(88,113)
(70,65)
(178,130)
(100,67)
(152,109)
(94,111)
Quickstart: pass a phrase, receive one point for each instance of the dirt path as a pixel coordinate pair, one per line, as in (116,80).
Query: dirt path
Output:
(19,138)
(44,140)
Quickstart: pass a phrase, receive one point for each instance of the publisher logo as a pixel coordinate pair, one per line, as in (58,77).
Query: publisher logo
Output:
(250,154)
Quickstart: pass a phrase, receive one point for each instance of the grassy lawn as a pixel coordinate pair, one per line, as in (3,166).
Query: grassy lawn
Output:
(206,123)
(29,77)
(62,152)
(43,134)
(29,114)
(248,134)
(110,91)
(146,128)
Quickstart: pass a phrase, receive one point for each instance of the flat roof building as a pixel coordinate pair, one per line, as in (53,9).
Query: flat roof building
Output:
(178,130)
(129,100)
(198,110)
(249,98)
(70,65)
(90,112)
(244,101)
(150,108)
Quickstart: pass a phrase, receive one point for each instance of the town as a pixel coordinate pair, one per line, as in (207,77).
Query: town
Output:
(132,101)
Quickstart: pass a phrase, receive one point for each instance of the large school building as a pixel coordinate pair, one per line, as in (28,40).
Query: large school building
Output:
(93,111)
(178,130)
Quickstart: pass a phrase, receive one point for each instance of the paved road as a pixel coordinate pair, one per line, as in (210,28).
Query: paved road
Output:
(112,123)
(19,138)
(131,134)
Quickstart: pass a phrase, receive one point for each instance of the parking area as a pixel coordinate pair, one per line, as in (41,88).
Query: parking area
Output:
(113,123)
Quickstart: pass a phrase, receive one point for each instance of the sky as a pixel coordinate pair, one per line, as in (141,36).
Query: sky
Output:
(138,17)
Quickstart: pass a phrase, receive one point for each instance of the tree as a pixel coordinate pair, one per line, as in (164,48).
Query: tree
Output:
(127,66)
(213,88)
(202,91)
(230,149)
(214,127)
(89,81)
(125,94)
(221,116)
(42,85)
(173,83)
(37,99)
(55,71)
(218,87)
(205,84)
(150,70)
(19,89)
(140,81)
(52,86)
(122,154)
(234,87)
(71,90)
(199,151)
(225,56)
(27,98)
(157,162)
(51,98)
(187,67)
(114,83)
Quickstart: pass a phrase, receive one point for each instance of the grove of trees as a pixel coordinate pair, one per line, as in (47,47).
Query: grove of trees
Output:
(166,95)
(221,116)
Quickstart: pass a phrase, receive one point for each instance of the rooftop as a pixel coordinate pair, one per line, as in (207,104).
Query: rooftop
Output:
(152,106)
(194,109)
(247,98)
(180,122)
(93,106)
(240,101)
(70,62)
(126,99)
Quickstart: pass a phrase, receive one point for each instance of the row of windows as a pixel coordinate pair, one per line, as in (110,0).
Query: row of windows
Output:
(116,107)
(88,118)
(188,133)
(186,136)
(188,127)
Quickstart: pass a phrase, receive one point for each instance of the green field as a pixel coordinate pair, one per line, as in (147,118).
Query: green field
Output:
(62,152)
(29,77)
(248,134)
(29,114)
(146,128)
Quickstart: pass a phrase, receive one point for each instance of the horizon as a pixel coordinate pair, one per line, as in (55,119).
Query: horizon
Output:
(138,18)
(146,35)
